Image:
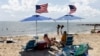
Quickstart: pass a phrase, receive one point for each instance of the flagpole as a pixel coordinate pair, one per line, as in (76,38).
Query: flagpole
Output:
(36,26)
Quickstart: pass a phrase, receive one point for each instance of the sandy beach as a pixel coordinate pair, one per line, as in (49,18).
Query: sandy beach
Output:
(14,49)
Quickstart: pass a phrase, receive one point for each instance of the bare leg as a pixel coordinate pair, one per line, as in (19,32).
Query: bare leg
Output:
(57,31)
(61,31)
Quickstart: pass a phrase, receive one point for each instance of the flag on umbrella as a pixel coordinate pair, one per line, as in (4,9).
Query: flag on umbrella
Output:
(42,8)
(72,9)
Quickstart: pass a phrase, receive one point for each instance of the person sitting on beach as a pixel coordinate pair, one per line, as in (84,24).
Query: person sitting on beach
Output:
(62,26)
(46,43)
(93,31)
(63,38)
(46,39)
(49,41)
(58,26)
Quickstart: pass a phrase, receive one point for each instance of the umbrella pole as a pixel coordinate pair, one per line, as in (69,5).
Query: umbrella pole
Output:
(36,27)
(67,26)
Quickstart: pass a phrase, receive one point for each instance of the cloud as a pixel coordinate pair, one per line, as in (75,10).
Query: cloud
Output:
(17,9)
(83,2)
(58,8)
(19,5)
(84,9)
(27,5)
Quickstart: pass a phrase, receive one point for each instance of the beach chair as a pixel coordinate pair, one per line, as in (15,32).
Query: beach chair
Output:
(30,45)
(69,40)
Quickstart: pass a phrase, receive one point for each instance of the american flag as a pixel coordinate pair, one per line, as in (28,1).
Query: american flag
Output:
(42,8)
(72,9)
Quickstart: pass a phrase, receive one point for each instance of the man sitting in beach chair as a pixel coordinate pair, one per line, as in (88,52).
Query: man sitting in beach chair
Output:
(63,38)
(66,39)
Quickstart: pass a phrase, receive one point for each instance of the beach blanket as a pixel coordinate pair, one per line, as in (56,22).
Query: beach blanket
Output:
(76,50)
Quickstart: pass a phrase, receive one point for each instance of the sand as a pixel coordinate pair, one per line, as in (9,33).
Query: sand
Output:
(14,49)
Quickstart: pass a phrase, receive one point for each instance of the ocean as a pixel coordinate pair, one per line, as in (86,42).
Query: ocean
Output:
(29,28)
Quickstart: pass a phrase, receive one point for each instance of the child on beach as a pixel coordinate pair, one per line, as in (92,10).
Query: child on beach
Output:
(58,27)
(62,26)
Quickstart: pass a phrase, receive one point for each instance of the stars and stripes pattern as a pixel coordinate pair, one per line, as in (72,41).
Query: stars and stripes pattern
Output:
(72,9)
(42,8)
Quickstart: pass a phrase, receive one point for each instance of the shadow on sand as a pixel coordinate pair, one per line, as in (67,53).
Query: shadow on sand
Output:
(35,53)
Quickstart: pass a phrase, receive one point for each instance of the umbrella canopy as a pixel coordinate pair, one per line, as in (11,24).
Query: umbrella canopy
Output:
(68,17)
(36,18)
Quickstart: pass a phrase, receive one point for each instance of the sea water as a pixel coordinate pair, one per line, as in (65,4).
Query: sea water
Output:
(23,28)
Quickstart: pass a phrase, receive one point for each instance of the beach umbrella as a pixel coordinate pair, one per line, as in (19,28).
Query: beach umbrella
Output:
(36,18)
(68,17)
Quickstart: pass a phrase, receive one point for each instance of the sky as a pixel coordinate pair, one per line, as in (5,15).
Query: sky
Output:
(16,10)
